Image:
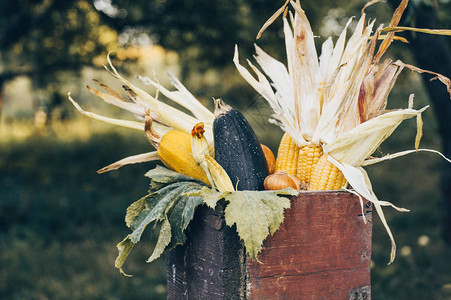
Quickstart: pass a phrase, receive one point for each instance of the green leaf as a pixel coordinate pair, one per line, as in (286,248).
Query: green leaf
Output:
(189,209)
(180,217)
(161,176)
(210,196)
(169,202)
(161,201)
(134,210)
(164,238)
(256,214)
(173,199)
(175,218)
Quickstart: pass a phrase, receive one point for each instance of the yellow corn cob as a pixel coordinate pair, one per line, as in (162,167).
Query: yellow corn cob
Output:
(287,156)
(307,159)
(326,176)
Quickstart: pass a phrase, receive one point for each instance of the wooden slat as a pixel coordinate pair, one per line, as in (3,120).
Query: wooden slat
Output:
(321,251)
(211,264)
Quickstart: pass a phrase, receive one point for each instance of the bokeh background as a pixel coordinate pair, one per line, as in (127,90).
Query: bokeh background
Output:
(60,221)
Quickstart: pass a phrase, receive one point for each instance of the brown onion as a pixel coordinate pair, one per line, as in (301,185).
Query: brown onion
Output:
(278,181)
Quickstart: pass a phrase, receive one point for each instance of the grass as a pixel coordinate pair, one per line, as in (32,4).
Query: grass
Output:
(60,221)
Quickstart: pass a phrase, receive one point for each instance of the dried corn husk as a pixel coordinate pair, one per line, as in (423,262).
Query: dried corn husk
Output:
(200,148)
(164,117)
(338,101)
(220,178)
(355,145)
(134,159)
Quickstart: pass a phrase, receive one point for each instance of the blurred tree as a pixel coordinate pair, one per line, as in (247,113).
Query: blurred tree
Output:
(204,34)
(434,53)
(208,30)
(197,29)
(41,38)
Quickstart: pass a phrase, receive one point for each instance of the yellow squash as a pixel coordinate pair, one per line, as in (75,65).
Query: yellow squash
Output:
(175,153)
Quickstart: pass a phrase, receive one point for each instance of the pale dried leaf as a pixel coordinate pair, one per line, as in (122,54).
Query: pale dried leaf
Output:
(136,108)
(372,161)
(280,78)
(445,80)
(395,38)
(419,131)
(263,87)
(362,12)
(305,74)
(422,30)
(394,22)
(109,90)
(123,123)
(140,158)
(172,116)
(358,179)
(384,79)
(354,146)
(272,19)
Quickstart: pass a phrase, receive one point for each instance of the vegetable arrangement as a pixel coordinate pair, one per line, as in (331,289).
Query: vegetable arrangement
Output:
(209,157)
(332,110)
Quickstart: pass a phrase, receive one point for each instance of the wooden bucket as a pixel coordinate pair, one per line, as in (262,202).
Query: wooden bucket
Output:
(321,251)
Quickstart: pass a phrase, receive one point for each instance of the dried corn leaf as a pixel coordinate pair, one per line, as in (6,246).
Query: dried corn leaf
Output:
(355,145)
(272,19)
(373,160)
(305,72)
(123,123)
(422,30)
(263,87)
(176,118)
(136,108)
(394,22)
(445,80)
(369,3)
(281,80)
(395,38)
(358,179)
(140,158)
(182,97)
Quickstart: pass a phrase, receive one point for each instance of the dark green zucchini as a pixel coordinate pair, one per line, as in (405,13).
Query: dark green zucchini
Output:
(237,149)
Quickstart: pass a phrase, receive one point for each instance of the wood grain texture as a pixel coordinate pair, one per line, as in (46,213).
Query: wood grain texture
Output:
(321,251)
(211,264)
